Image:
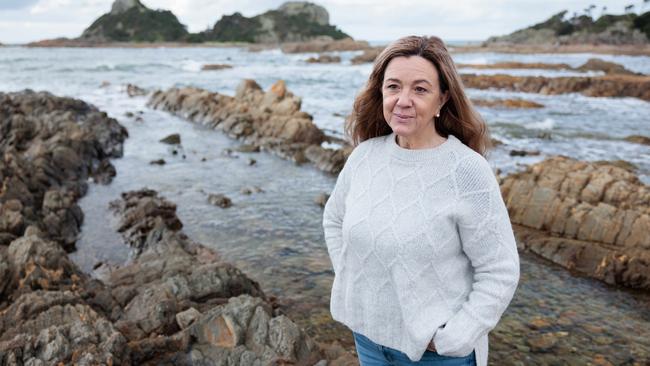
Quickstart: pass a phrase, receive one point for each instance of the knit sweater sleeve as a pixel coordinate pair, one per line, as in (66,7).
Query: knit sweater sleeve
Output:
(487,239)
(335,210)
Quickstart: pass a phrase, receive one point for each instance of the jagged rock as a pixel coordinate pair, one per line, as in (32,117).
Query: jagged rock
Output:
(368,56)
(272,120)
(324,59)
(187,317)
(596,64)
(589,217)
(135,91)
(173,139)
(248,148)
(321,199)
(310,11)
(144,217)
(52,313)
(50,146)
(219,200)
(158,162)
(121,6)
(244,329)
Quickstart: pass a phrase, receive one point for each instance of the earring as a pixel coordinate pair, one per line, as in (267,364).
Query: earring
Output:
(438,114)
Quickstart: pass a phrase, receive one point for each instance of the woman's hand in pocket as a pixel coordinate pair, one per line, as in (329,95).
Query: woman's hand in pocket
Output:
(431,347)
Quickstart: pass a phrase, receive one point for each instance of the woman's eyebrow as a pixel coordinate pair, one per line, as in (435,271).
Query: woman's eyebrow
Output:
(422,81)
(415,82)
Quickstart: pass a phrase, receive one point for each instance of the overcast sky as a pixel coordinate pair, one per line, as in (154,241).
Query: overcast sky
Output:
(23,21)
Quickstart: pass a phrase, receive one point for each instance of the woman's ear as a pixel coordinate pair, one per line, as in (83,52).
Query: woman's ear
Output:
(444,97)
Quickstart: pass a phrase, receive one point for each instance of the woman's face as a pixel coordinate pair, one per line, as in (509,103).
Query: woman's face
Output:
(411,96)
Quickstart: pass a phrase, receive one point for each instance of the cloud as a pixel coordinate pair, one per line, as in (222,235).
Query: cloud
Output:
(16,4)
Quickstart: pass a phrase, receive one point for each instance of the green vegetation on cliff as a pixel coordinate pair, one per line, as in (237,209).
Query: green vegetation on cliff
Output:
(137,24)
(607,29)
(269,27)
(294,21)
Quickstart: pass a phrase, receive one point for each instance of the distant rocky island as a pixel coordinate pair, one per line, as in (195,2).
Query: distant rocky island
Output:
(129,21)
(608,29)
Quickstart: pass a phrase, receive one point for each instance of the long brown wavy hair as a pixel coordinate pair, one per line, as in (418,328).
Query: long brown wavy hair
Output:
(457,116)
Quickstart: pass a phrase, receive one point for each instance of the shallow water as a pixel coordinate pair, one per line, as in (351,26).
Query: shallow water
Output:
(276,236)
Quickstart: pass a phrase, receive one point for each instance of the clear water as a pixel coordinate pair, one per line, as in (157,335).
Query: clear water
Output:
(276,236)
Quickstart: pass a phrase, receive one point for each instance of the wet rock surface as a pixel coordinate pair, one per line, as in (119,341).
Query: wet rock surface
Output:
(593,218)
(600,86)
(271,120)
(175,302)
(50,147)
(324,59)
(506,103)
(593,64)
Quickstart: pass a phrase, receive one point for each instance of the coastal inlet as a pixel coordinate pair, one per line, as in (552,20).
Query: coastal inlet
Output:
(272,229)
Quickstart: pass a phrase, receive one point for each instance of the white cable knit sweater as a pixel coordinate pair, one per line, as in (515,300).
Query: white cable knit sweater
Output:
(422,247)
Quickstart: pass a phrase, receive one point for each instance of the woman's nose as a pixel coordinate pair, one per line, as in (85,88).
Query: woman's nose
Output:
(404,99)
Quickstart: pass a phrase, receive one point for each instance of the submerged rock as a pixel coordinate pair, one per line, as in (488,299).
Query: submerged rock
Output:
(324,59)
(638,139)
(219,200)
(368,56)
(212,67)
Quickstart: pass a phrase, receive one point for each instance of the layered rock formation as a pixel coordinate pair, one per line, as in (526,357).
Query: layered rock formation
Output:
(272,120)
(506,103)
(292,22)
(593,218)
(593,64)
(130,21)
(582,29)
(601,86)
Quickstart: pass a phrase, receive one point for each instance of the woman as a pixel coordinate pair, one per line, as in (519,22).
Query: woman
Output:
(420,240)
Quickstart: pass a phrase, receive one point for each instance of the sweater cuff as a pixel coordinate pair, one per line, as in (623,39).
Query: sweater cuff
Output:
(459,335)
(335,257)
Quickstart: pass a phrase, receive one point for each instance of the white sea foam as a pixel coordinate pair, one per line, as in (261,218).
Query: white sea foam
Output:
(546,124)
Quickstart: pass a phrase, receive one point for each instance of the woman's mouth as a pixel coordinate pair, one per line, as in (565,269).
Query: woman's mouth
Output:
(402,117)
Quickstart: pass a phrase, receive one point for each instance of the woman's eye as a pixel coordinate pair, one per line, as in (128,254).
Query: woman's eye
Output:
(391,86)
(420,89)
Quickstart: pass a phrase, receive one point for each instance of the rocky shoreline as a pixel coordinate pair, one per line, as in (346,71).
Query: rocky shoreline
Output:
(175,302)
(270,120)
(605,213)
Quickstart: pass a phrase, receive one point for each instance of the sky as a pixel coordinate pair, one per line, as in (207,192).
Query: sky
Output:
(23,21)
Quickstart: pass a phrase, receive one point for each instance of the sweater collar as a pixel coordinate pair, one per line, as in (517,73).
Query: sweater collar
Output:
(401,153)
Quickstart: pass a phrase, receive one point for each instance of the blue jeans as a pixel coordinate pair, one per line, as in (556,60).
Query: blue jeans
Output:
(373,354)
